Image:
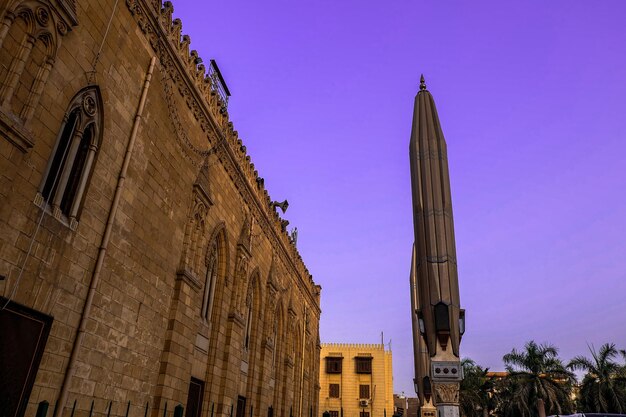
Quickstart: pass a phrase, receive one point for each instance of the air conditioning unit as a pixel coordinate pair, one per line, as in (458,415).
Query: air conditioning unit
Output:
(363,403)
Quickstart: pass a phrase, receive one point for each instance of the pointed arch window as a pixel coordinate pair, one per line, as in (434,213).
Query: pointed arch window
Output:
(275,338)
(30,35)
(62,188)
(249,321)
(210,283)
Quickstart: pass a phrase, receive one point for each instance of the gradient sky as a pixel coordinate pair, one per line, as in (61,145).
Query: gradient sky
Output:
(532,100)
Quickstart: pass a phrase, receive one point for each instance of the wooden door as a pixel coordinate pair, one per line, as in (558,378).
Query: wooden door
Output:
(194,398)
(23,335)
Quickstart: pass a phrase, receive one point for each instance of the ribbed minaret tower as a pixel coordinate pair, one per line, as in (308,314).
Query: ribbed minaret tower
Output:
(438,321)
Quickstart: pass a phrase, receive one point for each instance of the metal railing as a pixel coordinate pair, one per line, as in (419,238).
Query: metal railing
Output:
(218,84)
(178,411)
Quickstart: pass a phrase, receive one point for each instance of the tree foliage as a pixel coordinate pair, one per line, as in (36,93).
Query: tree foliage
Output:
(476,393)
(537,373)
(603,388)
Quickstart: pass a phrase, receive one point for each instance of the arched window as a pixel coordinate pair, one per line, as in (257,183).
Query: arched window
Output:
(62,188)
(210,283)
(278,333)
(29,39)
(250,304)
(215,260)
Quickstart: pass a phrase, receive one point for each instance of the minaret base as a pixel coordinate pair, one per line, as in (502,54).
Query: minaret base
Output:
(448,410)
(428,410)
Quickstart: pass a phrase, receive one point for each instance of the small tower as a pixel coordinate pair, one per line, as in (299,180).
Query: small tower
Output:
(438,321)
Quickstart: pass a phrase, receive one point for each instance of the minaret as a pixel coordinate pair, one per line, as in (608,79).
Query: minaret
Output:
(438,321)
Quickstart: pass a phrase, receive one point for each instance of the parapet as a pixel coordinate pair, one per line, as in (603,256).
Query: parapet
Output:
(364,346)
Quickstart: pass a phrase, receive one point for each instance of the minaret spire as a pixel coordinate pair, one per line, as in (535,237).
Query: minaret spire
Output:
(437,314)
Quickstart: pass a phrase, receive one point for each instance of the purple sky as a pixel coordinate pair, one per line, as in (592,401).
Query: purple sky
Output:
(532,99)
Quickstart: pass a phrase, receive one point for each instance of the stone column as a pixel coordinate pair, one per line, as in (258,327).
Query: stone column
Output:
(447,399)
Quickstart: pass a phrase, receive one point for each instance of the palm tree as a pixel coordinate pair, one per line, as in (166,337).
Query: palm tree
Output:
(603,389)
(476,398)
(512,397)
(537,380)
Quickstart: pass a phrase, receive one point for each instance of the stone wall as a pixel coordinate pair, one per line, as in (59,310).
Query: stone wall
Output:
(193,211)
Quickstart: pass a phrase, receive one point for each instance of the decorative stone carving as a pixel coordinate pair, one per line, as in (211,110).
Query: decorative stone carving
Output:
(447,393)
(241,279)
(201,186)
(289,361)
(195,237)
(268,343)
(245,236)
(62,28)
(89,104)
(42,16)
(67,10)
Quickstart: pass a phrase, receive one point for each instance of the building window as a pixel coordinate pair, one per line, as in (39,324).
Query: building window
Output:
(334,413)
(29,42)
(246,342)
(363,365)
(333,365)
(210,282)
(333,390)
(62,188)
(364,391)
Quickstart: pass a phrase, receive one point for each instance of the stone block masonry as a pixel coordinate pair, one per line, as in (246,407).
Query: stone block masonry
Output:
(202,297)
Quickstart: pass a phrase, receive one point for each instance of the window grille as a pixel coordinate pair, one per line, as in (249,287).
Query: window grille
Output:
(333,365)
(364,391)
(363,365)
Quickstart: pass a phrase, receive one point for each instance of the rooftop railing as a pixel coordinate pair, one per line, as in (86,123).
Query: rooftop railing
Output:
(218,84)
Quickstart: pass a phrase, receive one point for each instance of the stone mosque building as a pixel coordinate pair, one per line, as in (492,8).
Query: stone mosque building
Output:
(144,269)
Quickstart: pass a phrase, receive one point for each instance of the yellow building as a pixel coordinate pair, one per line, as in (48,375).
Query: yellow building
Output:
(356,380)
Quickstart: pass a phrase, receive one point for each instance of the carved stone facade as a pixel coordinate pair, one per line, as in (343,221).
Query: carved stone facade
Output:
(150,281)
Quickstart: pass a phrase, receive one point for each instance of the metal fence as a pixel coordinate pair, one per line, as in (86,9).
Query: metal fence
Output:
(44,406)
